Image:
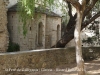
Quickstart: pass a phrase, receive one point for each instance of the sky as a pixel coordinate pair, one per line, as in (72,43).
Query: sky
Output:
(11,3)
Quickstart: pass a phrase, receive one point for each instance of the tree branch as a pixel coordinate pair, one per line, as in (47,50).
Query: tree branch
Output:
(89,7)
(83,6)
(75,3)
(89,21)
(70,9)
(87,2)
(70,34)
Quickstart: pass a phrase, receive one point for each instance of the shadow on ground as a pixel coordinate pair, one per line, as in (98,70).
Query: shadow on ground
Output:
(92,68)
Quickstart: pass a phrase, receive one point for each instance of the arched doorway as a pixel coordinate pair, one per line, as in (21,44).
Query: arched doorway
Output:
(58,32)
(40,34)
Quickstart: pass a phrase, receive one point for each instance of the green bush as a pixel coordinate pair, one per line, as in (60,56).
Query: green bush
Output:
(13,47)
(91,53)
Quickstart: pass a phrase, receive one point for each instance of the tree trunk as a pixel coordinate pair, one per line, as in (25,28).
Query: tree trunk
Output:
(69,35)
(79,59)
(3,27)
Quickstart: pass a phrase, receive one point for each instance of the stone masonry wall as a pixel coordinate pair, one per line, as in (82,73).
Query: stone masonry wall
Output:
(40,19)
(51,30)
(36,59)
(29,42)
(3,26)
(12,63)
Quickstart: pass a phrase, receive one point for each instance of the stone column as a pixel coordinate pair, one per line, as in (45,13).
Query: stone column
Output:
(4,39)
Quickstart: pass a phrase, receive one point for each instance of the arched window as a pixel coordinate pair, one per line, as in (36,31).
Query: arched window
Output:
(58,32)
(40,33)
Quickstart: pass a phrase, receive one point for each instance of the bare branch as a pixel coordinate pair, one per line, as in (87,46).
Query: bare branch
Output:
(89,7)
(89,21)
(83,5)
(70,9)
(75,3)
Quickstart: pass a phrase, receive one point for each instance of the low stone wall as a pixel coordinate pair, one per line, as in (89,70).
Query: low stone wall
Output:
(35,59)
(20,63)
(90,53)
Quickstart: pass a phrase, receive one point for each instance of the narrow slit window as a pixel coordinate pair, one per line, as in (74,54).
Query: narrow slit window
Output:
(58,32)
(40,33)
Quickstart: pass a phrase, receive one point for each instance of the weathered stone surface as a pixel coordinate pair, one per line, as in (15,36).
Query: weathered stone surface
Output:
(21,63)
(31,41)
(3,26)
(49,58)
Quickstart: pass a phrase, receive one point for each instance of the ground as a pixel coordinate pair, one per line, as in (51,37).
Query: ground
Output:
(92,68)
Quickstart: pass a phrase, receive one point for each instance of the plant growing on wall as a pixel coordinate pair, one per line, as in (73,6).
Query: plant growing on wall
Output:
(13,47)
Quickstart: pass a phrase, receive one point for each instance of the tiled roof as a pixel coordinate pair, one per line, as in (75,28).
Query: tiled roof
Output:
(37,10)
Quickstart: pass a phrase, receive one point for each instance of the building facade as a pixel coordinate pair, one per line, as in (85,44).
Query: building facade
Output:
(42,32)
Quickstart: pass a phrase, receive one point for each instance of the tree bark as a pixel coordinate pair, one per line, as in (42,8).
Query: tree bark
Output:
(78,26)
(70,27)
(79,59)
(69,35)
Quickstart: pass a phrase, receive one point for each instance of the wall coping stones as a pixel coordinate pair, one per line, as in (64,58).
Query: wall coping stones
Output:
(30,51)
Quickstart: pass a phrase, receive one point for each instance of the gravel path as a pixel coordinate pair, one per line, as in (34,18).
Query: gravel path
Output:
(92,68)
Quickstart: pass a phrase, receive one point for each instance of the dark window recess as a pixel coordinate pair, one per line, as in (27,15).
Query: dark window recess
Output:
(12,27)
(58,32)
(30,28)
(40,33)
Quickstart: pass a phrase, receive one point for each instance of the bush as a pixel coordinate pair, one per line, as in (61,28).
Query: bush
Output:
(13,47)
(90,53)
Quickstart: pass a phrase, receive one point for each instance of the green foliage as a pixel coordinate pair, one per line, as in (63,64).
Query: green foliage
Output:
(26,10)
(97,6)
(90,53)
(13,47)
(89,40)
(84,41)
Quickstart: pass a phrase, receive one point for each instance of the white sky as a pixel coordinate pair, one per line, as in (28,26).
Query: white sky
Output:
(12,2)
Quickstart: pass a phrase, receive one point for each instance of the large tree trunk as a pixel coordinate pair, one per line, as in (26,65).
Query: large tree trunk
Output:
(3,27)
(79,59)
(69,35)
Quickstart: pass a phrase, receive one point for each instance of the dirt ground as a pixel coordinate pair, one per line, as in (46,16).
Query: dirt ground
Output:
(92,68)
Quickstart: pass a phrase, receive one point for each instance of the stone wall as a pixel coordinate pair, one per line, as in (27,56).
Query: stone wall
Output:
(51,30)
(48,35)
(3,26)
(40,19)
(37,59)
(30,41)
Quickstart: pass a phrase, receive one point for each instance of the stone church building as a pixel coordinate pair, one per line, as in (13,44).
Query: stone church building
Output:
(43,31)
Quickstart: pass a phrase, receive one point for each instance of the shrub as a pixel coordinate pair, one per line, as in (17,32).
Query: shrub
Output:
(13,47)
